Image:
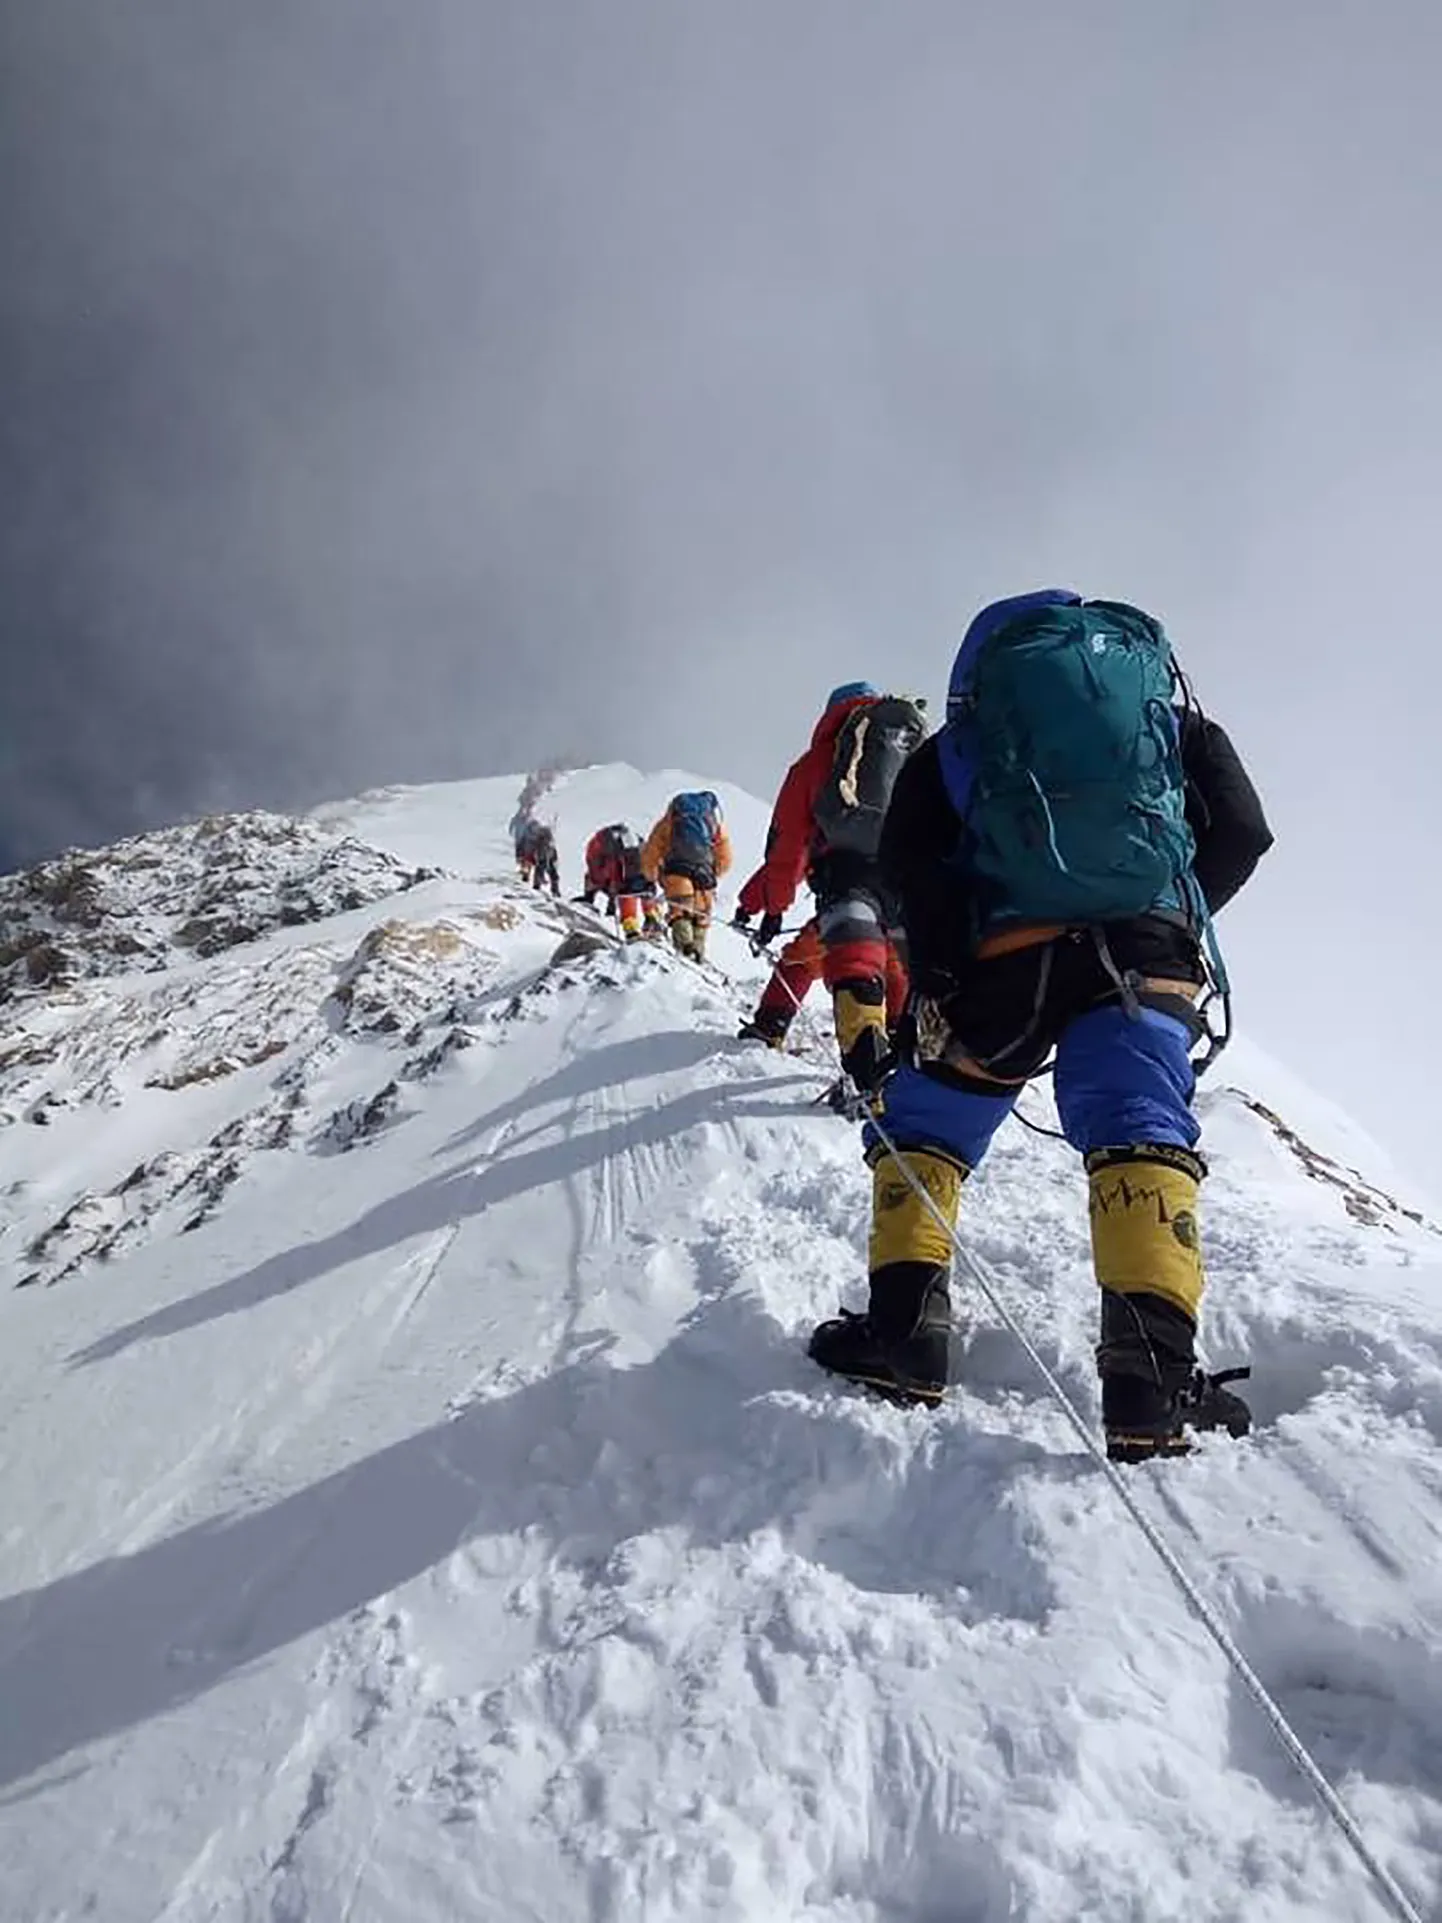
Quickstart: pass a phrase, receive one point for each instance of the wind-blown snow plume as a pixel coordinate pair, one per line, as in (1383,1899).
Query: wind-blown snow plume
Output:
(534,789)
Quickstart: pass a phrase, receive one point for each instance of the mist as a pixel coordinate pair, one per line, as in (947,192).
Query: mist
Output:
(405,391)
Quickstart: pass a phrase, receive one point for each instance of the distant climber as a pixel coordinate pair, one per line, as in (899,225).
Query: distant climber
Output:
(613,869)
(536,858)
(1057,851)
(825,830)
(688,851)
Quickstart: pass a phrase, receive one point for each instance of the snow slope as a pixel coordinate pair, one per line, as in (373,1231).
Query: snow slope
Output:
(464,825)
(418,1506)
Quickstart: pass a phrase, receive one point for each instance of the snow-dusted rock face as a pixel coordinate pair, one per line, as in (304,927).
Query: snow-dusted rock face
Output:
(195,890)
(259,1037)
(418,1503)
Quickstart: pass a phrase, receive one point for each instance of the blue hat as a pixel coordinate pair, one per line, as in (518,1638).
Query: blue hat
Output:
(995,615)
(850,691)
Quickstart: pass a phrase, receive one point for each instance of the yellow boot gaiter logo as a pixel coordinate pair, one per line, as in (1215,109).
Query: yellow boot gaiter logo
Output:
(1144,1231)
(903,1229)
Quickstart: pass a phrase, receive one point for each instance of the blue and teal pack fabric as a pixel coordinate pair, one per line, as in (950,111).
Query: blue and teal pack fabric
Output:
(1061,755)
(695,818)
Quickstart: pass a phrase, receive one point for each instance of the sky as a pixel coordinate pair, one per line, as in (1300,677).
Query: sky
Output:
(399,391)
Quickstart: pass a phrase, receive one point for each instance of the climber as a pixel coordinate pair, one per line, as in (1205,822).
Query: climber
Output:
(825,830)
(1058,851)
(613,869)
(796,968)
(535,843)
(688,851)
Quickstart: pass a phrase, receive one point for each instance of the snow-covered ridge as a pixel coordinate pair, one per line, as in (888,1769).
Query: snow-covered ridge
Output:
(419,985)
(418,1503)
(197,889)
(1363,1199)
(91,1028)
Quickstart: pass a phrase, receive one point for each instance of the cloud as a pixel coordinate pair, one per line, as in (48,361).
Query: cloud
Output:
(402,393)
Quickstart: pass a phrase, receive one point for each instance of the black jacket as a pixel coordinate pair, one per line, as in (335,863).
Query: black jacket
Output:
(922,831)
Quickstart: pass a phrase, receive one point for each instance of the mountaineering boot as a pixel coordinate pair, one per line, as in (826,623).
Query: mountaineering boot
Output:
(901,1345)
(1146,1358)
(1146,1250)
(1152,1390)
(683,937)
(859,1008)
(767,1025)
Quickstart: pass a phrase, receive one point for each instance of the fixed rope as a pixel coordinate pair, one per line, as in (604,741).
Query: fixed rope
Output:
(1388,1888)
(1396,1898)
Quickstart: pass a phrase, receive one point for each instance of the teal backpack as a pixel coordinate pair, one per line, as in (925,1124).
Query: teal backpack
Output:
(1061,756)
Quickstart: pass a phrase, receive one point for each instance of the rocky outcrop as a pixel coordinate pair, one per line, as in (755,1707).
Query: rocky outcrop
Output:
(196,891)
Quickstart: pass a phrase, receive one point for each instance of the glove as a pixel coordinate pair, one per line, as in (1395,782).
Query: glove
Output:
(768,931)
(742,918)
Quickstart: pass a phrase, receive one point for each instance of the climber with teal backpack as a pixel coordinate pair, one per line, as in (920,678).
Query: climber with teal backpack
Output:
(1058,851)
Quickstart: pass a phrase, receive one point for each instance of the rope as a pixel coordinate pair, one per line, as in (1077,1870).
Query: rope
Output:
(1394,1896)
(1038,1128)
(777,975)
(1398,1903)
(762,949)
(1397,1900)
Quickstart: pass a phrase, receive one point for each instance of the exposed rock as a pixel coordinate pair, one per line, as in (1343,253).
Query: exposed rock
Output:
(577,945)
(1363,1201)
(221,1066)
(359,1121)
(197,890)
(403,973)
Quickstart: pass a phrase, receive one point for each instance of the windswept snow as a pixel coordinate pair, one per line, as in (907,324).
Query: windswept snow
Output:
(418,1504)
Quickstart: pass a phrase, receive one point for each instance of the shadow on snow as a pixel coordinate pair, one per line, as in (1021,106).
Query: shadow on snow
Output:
(712,1436)
(444,1199)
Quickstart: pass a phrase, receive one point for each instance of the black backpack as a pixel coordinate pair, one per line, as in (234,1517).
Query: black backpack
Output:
(872,746)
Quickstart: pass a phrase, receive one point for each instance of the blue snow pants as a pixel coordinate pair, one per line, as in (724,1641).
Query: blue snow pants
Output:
(1122,1080)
